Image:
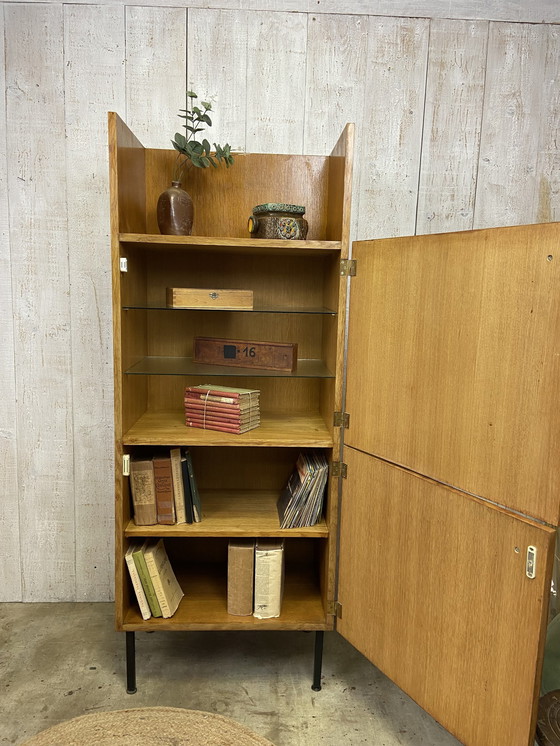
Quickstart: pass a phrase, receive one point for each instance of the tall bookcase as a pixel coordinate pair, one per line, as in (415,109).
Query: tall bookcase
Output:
(299,296)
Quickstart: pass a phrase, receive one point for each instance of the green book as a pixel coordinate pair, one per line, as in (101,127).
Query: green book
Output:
(197,507)
(140,562)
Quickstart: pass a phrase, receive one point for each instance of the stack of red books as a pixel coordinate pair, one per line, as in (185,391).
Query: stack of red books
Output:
(228,409)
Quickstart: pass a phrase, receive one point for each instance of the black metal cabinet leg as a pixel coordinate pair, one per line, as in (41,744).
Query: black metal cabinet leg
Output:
(318,661)
(130,663)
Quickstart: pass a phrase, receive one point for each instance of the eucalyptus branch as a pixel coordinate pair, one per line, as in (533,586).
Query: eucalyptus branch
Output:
(195,152)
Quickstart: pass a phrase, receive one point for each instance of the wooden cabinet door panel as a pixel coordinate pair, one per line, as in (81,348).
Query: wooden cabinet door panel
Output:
(454,361)
(434,592)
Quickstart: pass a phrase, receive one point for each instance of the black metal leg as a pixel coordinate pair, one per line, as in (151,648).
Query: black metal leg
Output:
(318,661)
(130,663)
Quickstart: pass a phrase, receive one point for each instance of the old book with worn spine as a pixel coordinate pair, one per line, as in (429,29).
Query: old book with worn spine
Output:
(136,581)
(178,486)
(241,564)
(143,490)
(168,591)
(165,499)
(269,578)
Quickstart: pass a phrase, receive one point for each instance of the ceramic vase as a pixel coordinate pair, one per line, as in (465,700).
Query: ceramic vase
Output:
(175,211)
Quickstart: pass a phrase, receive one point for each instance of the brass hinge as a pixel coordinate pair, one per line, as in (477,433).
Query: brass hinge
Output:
(339,469)
(347,267)
(341,419)
(126,465)
(335,609)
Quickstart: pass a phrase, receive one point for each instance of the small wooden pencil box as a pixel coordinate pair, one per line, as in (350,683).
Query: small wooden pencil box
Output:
(210,298)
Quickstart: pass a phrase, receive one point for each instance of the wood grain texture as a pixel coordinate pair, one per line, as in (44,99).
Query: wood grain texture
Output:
(507,186)
(434,592)
(458,335)
(540,11)
(217,69)
(452,124)
(392,127)
(155,73)
(88,30)
(168,428)
(10,558)
(39,244)
(276,57)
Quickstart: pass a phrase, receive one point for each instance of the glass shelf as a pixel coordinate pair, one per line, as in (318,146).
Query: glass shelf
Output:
(184,366)
(259,309)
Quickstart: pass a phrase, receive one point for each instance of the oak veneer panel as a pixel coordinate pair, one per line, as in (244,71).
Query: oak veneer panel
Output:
(233,513)
(458,338)
(168,428)
(224,199)
(435,594)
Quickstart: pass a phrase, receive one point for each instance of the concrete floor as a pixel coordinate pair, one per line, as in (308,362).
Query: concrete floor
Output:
(58,661)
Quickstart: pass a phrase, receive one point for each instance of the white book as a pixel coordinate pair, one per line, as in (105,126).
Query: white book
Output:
(269,578)
(166,587)
(137,583)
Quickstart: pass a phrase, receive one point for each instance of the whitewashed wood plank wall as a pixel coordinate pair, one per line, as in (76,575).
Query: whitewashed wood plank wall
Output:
(457,112)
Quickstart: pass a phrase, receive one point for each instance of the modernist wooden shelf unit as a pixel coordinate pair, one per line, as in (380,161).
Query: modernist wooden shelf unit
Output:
(434,555)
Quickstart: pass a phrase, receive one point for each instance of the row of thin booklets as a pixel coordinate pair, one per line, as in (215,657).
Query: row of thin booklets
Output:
(255,582)
(227,409)
(164,489)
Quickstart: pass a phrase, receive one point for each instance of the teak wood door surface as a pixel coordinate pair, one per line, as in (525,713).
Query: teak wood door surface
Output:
(452,380)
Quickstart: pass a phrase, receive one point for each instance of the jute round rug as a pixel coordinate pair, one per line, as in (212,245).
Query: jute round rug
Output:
(149,726)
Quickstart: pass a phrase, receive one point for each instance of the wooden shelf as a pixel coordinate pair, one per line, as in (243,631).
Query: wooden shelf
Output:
(233,513)
(168,429)
(204,606)
(185,366)
(220,243)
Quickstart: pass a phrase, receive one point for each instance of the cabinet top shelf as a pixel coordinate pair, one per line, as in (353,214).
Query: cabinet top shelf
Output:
(238,245)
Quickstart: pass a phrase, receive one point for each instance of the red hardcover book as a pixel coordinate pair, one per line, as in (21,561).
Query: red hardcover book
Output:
(222,428)
(165,502)
(195,401)
(212,392)
(222,420)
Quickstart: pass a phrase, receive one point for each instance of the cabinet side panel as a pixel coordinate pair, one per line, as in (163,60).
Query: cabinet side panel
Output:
(434,592)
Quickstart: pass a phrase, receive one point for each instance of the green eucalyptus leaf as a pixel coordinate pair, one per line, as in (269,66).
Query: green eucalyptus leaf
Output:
(191,94)
(206,105)
(205,161)
(180,139)
(197,161)
(212,161)
(206,146)
(206,118)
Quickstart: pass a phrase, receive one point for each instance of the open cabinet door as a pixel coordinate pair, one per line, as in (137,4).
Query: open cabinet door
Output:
(451,497)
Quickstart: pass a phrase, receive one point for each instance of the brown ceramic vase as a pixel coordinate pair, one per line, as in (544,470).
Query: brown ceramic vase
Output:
(175,211)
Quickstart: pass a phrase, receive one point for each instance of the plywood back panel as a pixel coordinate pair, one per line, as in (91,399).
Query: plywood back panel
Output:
(434,592)
(454,361)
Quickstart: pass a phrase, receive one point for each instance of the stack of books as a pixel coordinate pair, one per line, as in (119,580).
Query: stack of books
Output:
(157,590)
(301,501)
(164,489)
(228,409)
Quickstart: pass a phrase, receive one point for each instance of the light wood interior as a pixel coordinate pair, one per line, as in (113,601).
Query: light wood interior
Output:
(462,362)
(434,592)
(298,297)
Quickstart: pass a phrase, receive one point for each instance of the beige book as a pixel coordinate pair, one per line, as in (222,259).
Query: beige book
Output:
(137,582)
(269,578)
(178,487)
(241,563)
(166,587)
(143,489)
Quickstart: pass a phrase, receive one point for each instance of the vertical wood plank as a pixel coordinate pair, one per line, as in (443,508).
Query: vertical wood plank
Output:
(10,561)
(392,126)
(336,70)
(155,73)
(452,124)
(217,68)
(548,164)
(276,83)
(36,183)
(507,179)
(94,41)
